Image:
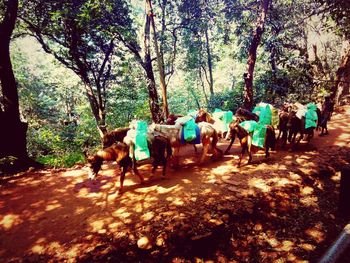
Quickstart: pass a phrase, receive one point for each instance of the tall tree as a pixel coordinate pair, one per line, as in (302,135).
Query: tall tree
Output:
(145,60)
(13,131)
(82,35)
(340,13)
(248,76)
(160,59)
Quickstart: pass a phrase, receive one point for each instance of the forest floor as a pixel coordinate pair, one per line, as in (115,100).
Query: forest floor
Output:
(280,209)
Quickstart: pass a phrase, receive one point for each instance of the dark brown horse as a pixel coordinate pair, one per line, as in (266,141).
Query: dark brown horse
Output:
(172,118)
(246,115)
(160,151)
(118,152)
(117,135)
(245,139)
(283,124)
(296,126)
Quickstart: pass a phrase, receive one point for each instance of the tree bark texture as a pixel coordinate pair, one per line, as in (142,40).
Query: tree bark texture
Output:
(151,85)
(210,63)
(13,131)
(160,60)
(342,79)
(248,76)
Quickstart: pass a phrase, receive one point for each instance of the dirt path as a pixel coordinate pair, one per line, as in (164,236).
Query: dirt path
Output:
(283,208)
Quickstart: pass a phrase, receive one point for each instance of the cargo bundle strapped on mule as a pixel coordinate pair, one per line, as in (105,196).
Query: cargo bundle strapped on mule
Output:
(257,130)
(190,132)
(222,119)
(267,113)
(138,135)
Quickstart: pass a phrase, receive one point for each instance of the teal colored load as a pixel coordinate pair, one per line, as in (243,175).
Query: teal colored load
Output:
(141,144)
(311,116)
(190,130)
(264,112)
(225,117)
(257,130)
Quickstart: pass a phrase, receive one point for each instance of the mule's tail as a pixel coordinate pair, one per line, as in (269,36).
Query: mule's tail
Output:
(271,137)
(169,150)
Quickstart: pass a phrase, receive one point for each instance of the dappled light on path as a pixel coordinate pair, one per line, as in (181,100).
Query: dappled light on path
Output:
(281,208)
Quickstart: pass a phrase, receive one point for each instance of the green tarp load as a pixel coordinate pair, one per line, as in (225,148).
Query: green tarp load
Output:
(224,118)
(311,116)
(138,135)
(267,114)
(189,128)
(257,130)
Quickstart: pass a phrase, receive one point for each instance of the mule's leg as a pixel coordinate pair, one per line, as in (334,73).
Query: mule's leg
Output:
(284,138)
(243,145)
(205,143)
(164,162)
(176,162)
(122,176)
(249,148)
(229,147)
(134,166)
(155,166)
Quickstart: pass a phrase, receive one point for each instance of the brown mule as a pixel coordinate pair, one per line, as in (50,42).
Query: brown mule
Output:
(245,139)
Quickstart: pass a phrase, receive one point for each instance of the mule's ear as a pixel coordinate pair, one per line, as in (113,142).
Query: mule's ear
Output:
(152,127)
(85,152)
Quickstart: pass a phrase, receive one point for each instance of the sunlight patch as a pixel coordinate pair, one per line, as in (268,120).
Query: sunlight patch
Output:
(186,181)
(309,201)
(316,233)
(287,245)
(97,225)
(260,184)
(307,190)
(148,216)
(221,170)
(177,201)
(162,190)
(307,246)
(38,249)
(51,207)
(9,221)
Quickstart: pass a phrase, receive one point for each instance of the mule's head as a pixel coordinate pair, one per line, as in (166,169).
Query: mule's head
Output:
(233,129)
(94,163)
(201,116)
(171,119)
(292,119)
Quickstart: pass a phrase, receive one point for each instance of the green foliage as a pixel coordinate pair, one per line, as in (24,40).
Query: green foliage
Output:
(62,160)
(226,100)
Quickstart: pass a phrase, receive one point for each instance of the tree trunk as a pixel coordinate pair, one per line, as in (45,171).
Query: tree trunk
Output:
(160,60)
(13,132)
(342,79)
(147,65)
(203,86)
(248,76)
(97,110)
(210,65)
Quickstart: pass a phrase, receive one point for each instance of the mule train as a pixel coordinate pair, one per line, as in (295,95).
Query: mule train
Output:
(165,140)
